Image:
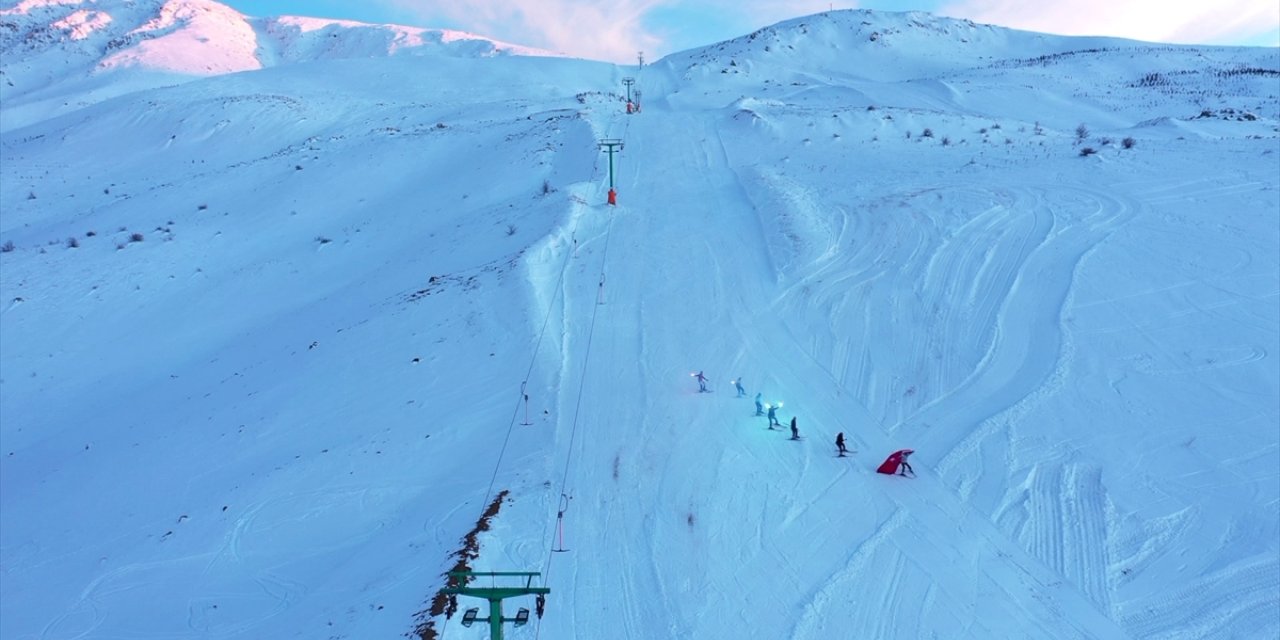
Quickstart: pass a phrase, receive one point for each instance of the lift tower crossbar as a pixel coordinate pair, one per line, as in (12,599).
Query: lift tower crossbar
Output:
(495,596)
(610,145)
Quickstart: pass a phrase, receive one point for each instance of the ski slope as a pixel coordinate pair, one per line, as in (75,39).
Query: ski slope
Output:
(279,412)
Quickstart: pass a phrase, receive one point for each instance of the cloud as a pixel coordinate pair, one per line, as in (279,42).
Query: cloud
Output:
(1184,21)
(608,29)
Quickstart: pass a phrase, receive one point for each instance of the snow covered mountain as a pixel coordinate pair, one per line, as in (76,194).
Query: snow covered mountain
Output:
(52,50)
(277,302)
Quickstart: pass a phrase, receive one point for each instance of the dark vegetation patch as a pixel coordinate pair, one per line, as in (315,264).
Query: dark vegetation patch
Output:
(425,629)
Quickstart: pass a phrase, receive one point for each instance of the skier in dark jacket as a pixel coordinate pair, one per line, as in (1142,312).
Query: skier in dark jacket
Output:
(702,381)
(840,444)
(795,433)
(759,405)
(773,415)
(737,384)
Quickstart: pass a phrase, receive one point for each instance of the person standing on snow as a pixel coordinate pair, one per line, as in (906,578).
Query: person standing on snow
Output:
(702,381)
(759,405)
(840,444)
(773,416)
(737,384)
(904,466)
(795,433)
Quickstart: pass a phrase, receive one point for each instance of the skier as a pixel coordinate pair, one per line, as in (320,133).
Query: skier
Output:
(773,415)
(896,463)
(795,433)
(702,381)
(737,384)
(759,405)
(840,444)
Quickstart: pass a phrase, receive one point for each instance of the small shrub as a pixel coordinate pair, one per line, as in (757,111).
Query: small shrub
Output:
(996,126)
(323,240)
(31,195)
(90,233)
(7,247)
(136,237)
(202,207)
(547,188)
(927,133)
(1128,143)
(511,229)
(1082,132)
(1038,130)
(982,130)
(1087,151)
(297,167)
(1106,142)
(1008,140)
(72,243)
(946,141)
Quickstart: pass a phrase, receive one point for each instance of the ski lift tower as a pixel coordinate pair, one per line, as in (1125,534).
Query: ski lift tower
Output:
(628,81)
(610,146)
(495,595)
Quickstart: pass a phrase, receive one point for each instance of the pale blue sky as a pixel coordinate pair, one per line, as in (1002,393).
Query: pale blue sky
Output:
(616,29)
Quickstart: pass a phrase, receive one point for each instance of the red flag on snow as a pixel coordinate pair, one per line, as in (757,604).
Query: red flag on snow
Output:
(890,464)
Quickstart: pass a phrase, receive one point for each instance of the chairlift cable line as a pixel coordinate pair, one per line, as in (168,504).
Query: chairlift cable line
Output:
(586,361)
(564,267)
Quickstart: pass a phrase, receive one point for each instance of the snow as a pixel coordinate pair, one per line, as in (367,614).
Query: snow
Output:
(278,412)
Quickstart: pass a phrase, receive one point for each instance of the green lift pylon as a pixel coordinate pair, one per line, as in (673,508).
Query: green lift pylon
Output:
(495,596)
(611,145)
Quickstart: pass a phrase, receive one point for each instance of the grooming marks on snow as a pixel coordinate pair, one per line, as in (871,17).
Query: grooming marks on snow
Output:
(1060,517)
(1207,190)
(79,621)
(1022,353)
(1238,597)
(850,595)
(1197,360)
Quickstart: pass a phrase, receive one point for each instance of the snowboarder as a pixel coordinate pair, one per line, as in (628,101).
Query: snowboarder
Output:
(904,465)
(702,381)
(737,384)
(759,405)
(773,415)
(840,444)
(795,433)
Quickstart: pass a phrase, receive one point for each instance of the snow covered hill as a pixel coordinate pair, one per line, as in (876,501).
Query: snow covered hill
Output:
(270,335)
(59,55)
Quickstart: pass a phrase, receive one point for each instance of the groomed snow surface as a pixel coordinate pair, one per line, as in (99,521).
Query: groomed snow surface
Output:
(265,337)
